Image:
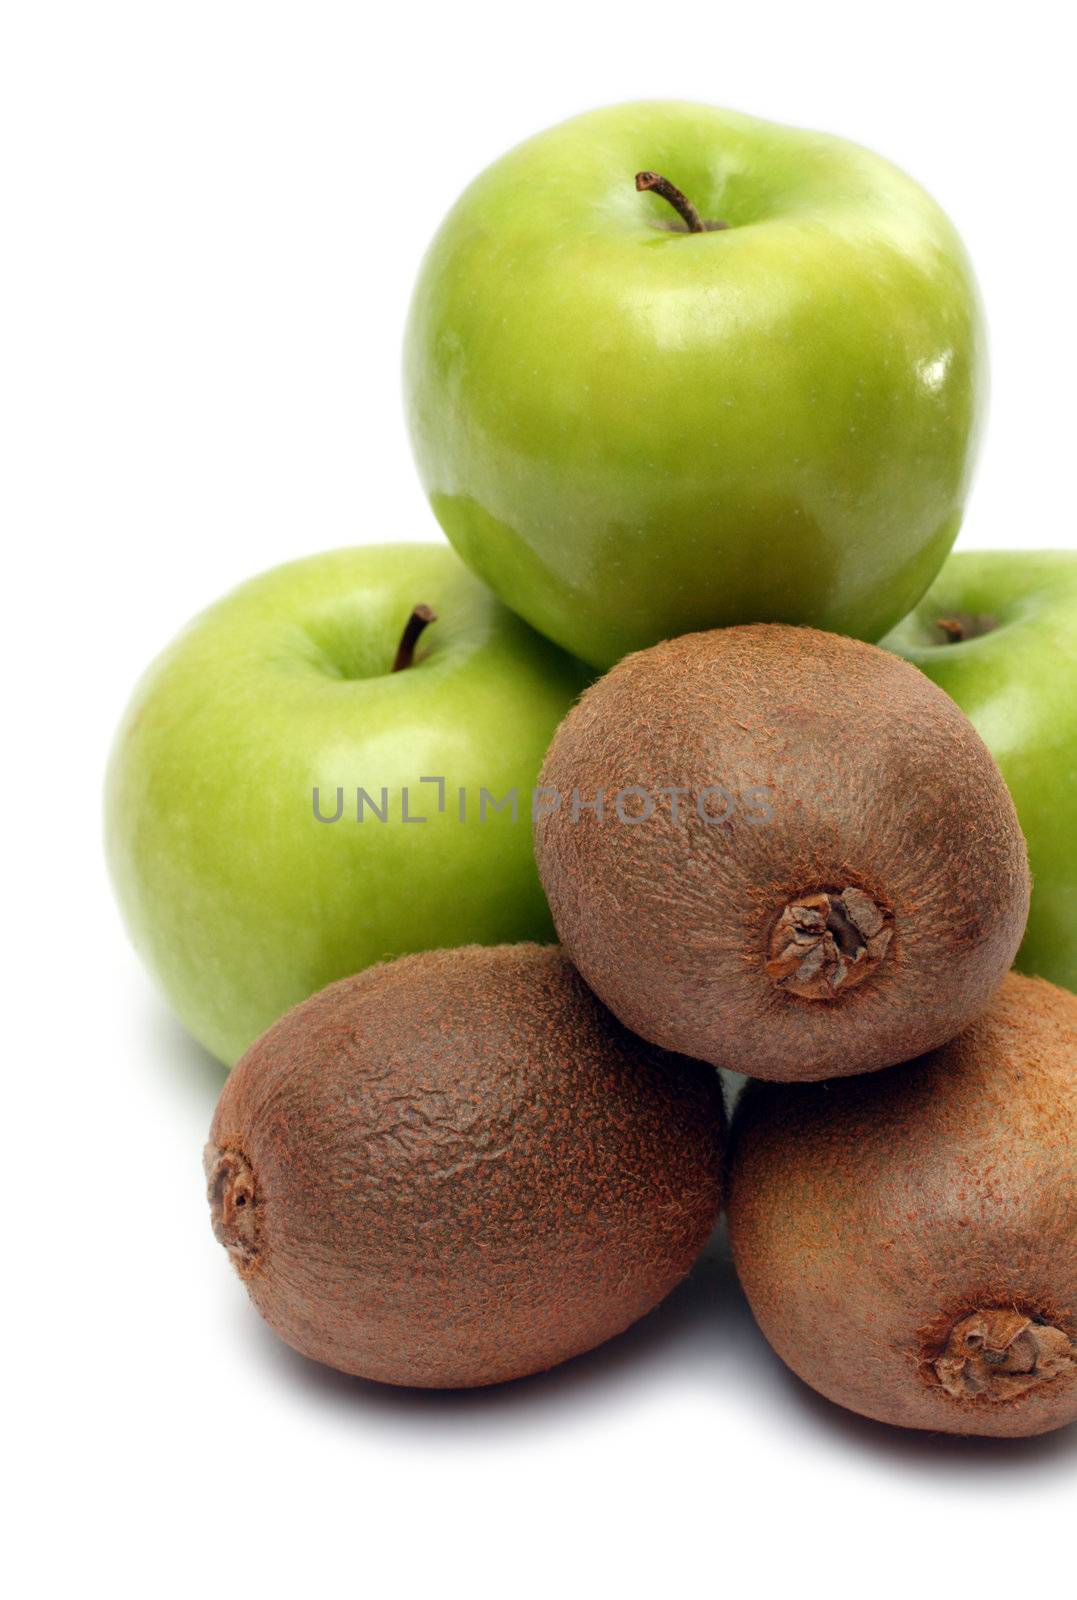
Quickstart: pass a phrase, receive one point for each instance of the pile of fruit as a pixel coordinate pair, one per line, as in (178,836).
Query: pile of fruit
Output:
(696,400)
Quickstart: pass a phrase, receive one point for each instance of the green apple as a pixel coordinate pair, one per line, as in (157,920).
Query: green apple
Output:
(998,632)
(233,797)
(631,429)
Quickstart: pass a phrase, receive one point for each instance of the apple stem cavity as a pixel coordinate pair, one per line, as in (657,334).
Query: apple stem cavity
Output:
(958,628)
(656,184)
(420,619)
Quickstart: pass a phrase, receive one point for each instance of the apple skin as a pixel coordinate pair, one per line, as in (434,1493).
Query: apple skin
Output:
(239,901)
(630,431)
(1017,683)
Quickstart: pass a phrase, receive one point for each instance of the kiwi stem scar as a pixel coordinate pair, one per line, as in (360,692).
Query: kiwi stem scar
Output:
(997,1353)
(421,617)
(825,943)
(233,1203)
(680,202)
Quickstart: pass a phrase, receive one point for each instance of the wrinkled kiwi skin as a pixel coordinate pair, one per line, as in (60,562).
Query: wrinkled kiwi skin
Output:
(872,1217)
(876,781)
(457,1168)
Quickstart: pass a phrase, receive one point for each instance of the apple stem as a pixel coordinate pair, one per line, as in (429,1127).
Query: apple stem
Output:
(420,618)
(962,626)
(680,202)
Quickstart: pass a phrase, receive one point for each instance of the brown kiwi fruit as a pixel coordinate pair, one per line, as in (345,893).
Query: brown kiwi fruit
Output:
(458,1168)
(908,1240)
(807,862)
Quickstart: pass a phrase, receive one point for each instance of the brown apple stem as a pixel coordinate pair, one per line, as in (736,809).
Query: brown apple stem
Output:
(963,625)
(421,617)
(680,202)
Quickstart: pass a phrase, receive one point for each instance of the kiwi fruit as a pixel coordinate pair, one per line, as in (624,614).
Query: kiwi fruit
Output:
(457,1168)
(908,1240)
(781,851)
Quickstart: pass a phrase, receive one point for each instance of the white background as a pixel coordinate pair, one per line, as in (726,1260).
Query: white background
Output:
(213,214)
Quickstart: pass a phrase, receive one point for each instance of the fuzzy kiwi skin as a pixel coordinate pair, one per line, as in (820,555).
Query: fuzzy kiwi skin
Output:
(457,1168)
(872,1218)
(876,782)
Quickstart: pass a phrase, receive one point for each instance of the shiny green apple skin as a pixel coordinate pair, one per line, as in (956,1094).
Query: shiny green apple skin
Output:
(240,902)
(630,431)
(1018,685)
